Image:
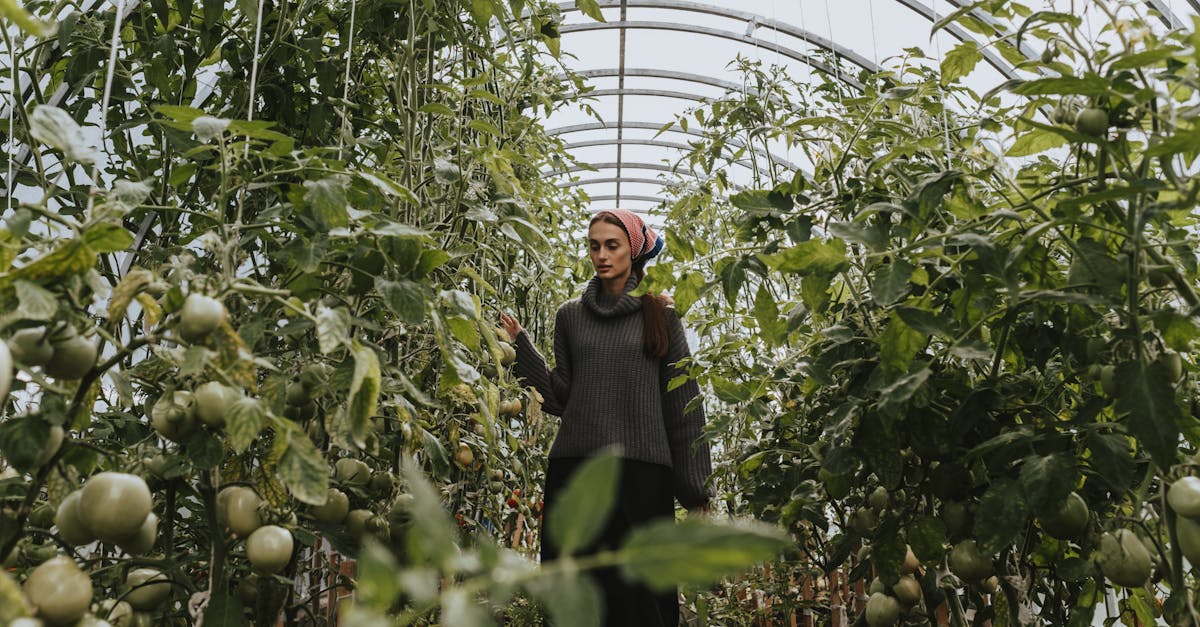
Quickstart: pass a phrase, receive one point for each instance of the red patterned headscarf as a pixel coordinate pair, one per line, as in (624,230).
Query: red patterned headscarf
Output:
(644,243)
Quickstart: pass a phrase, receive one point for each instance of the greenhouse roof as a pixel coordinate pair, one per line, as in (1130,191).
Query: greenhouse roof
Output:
(650,61)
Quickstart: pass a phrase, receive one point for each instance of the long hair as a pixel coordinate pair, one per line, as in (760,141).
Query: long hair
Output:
(656,337)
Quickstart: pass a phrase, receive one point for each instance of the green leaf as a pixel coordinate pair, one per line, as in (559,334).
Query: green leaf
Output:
(1111,458)
(333,328)
(327,200)
(591,9)
(811,257)
(891,282)
(766,312)
(898,345)
(926,322)
(23,439)
(927,537)
(893,397)
(303,470)
(1002,515)
(108,238)
(1034,142)
(960,61)
(377,581)
(12,11)
(36,302)
(696,552)
(1147,404)
(56,128)
(482,11)
(364,392)
(583,508)
(431,535)
(1091,85)
(571,598)
(1047,480)
(245,419)
(762,201)
(461,609)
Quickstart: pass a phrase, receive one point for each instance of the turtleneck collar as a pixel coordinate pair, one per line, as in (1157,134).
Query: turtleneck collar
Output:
(607,305)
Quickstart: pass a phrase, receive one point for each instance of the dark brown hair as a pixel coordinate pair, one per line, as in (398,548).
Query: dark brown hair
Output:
(656,336)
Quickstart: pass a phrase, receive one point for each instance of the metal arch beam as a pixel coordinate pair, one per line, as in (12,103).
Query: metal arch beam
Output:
(614,179)
(667,74)
(652,126)
(806,59)
(1168,17)
(662,144)
(753,20)
(608,197)
(676,145)
(612,165)
(631,91)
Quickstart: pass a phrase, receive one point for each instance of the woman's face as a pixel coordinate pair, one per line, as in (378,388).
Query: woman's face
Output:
(608,247)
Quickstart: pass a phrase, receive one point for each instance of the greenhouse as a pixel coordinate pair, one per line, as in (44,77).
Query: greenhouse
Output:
(600,312)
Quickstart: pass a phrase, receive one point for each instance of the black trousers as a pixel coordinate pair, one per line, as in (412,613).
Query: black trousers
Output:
(644,493)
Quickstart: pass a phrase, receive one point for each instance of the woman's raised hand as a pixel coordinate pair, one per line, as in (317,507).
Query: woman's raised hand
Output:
(511,326)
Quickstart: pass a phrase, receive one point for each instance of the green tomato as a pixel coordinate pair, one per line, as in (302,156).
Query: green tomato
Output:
(882,610)
(59,590)
(1173,363)
(970,563)
(174,415)
(335,509)
(1124,559)
(298,394)
(148,588)
(878,498)
(269,548)
(31,347)
(237,509)
(908,590)
(352,471)
(1092,122)
(116,613)
(1108,380)
(52,445)
(42,515)
(114,505)
(1069,520)
(212,402)
(200,316)
(71,527)
(12,600)
(1188,532)
(143,541)
(356,522)
(1184,496)
(73,358)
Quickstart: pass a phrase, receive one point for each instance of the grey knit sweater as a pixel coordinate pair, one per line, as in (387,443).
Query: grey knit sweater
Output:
(608,391)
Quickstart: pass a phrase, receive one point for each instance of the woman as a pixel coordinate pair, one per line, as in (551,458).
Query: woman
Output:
(614,355)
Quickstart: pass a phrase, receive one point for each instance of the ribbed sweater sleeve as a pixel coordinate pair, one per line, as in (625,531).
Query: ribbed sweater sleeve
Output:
(690,455)
(530,367)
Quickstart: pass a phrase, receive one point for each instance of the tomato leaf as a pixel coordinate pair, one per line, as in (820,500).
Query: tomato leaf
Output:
(333,328)
(812,257)
(1147,404)
(927,537)
(56,128)
(590,8)
(364,392)
(1034,142)
(696,552)
(1002,515)
(244,421)
(570,598)
(303,470)
(891,282)
(376,576)
(126,289)
(1047,480)
(108,238)
(37,303)
(326,198)
(960,61)
(223,609)
(22,440)
(583,508)
(898,345)
(431,535)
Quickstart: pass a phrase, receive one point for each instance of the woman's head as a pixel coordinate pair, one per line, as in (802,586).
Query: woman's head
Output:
(620,242)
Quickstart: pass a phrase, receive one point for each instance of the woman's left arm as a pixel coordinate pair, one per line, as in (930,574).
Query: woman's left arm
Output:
(690,454)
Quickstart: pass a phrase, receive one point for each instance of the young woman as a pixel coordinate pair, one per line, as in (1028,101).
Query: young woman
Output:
(614,355)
